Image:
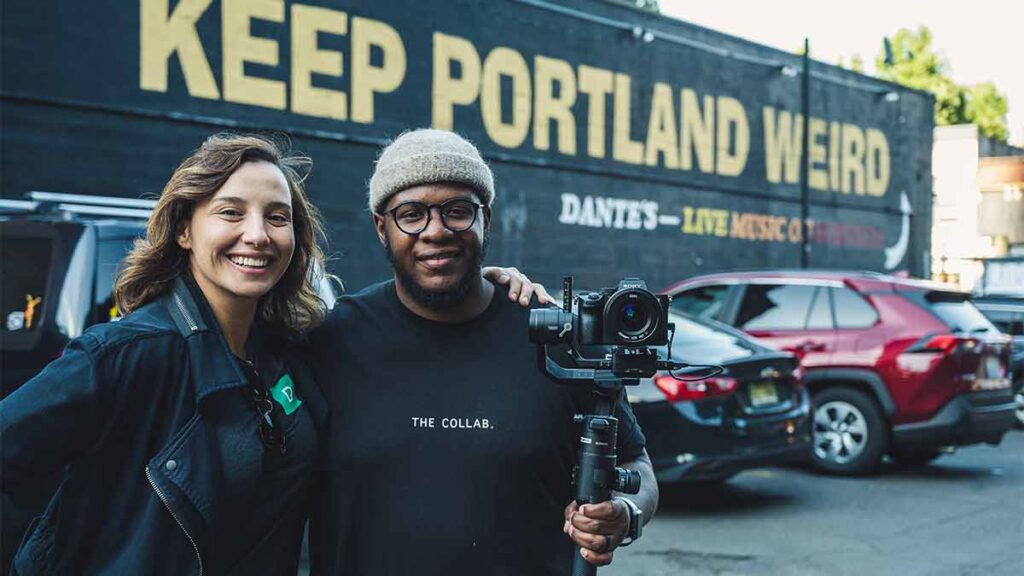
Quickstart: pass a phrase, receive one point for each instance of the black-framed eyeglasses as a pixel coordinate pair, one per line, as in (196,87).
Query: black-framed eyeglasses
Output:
(457,215)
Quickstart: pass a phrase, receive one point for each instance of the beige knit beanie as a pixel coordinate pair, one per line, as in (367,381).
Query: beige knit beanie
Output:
(428,156)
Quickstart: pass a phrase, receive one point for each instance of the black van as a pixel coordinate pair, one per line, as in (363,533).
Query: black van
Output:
(60,253)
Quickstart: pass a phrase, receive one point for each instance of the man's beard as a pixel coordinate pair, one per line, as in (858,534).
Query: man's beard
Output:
(440,299)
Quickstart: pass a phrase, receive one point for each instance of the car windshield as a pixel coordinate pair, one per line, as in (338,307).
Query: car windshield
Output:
(698,343)
(24,268)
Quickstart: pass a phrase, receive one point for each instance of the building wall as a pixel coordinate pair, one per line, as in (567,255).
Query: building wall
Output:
(956,242)
(975,213)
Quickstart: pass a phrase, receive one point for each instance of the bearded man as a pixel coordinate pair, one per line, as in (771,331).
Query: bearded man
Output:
(448,451)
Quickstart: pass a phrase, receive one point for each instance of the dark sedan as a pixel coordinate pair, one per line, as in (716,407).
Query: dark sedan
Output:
(1007,313)
(753,414)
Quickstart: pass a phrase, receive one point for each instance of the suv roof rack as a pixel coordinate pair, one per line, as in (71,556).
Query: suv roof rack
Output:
(790,270)
(70,205)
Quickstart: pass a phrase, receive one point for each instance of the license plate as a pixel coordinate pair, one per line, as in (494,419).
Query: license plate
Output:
(993,367)
(762,393)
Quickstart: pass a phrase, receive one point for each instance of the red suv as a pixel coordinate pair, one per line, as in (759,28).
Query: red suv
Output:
(895,366)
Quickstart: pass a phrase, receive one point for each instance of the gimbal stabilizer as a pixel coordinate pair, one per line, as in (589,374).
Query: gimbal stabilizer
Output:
(596,475)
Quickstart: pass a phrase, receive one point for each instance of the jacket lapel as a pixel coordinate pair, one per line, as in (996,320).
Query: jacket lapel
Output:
(212,363)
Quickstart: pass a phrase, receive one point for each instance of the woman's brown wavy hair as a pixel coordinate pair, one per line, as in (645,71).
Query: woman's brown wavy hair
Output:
(150,268)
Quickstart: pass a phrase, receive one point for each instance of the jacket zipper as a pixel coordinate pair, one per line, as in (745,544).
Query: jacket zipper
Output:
(167,505)
(184,312)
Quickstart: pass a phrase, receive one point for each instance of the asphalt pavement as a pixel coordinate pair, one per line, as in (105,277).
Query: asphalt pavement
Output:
(962,515)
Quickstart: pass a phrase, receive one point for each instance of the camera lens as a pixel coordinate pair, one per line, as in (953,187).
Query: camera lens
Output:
(634,317)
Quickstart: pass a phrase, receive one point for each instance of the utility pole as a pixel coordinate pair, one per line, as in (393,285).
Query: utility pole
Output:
(805,99)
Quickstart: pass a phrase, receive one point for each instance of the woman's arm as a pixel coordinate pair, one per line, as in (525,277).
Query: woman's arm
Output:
(52,418)
(519,286)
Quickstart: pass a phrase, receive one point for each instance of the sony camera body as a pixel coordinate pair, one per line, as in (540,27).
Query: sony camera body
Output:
(628,315)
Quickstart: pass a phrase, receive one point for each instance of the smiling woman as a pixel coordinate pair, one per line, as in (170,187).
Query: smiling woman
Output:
(241,242)
(247,191)
(195,410)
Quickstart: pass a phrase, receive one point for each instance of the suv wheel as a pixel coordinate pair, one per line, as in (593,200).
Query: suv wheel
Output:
(850,434)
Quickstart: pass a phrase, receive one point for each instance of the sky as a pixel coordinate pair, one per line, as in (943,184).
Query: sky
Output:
(981,40)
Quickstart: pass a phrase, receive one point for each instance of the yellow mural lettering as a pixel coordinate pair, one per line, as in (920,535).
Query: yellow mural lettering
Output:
(877,165)
(163,35)
(782,145)
(368,79)
(733,140)
(597,84)
(507,63)
(449,90)
(532,101)
(817,174)
(697,134)
(661,129)
(548,108)
(759,227)
(749,226)
(308,59)
(833,155)
(705,221)
(624,148)
(853,160)
(241,47)
(795,231)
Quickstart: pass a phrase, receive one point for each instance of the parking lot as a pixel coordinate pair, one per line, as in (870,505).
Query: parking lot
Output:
(963,515)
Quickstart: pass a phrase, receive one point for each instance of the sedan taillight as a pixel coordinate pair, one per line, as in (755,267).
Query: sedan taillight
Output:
(678,391)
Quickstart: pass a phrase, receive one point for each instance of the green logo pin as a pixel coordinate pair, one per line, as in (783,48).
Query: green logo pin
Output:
(286,395)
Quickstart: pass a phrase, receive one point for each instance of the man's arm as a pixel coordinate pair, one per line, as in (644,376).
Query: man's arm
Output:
(600,528)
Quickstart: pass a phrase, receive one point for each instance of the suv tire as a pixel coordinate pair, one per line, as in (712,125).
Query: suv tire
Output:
(850,434)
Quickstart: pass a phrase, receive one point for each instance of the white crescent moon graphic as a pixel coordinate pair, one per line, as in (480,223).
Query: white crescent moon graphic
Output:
(894,254)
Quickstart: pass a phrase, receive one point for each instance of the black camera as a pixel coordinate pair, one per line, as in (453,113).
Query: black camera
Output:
(627,315)
(627,322)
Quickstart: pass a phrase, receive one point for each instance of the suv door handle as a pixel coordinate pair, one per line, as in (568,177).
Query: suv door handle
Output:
(811,346)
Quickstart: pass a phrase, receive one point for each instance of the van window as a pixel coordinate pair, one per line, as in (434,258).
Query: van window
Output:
(109,253)
(24,269)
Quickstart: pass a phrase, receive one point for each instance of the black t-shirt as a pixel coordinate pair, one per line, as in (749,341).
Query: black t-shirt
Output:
(448,451)
(264,497)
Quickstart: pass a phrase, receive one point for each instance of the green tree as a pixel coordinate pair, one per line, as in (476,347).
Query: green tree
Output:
(987,108)
(856,63)
(911,60)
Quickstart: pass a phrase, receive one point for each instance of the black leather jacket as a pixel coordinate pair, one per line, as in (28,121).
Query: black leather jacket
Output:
(136,411)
